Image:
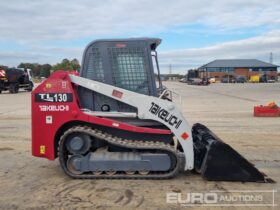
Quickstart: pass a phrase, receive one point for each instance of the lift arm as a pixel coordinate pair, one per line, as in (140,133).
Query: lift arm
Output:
(149,107)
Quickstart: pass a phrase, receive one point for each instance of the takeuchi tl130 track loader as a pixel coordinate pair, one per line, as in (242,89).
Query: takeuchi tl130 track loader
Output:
(112,121)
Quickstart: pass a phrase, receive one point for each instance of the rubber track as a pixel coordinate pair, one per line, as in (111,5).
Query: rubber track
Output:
(131,144)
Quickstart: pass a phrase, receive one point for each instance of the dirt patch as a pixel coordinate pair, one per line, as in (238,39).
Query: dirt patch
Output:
(5,148)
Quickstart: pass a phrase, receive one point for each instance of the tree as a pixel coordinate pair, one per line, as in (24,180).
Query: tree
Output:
(36,69)
(75,64)
(67,65)
(45,70)
(65,61)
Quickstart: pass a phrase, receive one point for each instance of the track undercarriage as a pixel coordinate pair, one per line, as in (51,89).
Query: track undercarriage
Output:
(85,152)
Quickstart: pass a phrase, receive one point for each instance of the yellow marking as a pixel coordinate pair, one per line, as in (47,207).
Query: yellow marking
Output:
(42,149)
(48,85)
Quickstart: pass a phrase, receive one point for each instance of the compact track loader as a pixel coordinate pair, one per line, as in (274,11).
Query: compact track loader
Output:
(112,121)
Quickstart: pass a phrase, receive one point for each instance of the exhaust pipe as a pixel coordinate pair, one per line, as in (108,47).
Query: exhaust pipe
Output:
(217,161)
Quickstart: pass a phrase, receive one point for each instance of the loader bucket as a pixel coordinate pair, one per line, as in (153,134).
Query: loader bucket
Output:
(217,161)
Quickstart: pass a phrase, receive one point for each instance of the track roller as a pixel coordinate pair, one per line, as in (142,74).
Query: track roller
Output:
(72,163)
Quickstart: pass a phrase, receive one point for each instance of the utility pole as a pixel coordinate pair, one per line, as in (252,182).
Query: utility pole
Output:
(170,71)
(271,57)
(170,68)
(228,75)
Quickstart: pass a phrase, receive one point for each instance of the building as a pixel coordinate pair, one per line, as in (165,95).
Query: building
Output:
(228,68)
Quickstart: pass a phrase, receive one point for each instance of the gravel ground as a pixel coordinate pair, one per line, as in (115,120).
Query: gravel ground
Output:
(27,182)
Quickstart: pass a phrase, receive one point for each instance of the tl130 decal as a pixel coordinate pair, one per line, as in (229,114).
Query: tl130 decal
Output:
(53,97)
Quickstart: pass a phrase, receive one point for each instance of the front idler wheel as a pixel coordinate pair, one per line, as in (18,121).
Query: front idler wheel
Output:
(78,144)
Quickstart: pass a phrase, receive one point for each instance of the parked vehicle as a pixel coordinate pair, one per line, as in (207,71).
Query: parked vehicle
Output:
(271,80)
(255,79)
(184,80)
(198,81)
(228,80)
(12,79)
(240,79)
(196,77)
(212,80)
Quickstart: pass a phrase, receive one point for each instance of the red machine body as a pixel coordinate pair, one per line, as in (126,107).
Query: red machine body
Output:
(55,107)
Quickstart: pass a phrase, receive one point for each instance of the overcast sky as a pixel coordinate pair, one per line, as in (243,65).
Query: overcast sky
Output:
(193,32)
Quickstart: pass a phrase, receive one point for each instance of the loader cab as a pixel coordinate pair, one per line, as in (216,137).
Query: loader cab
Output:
(125,63)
